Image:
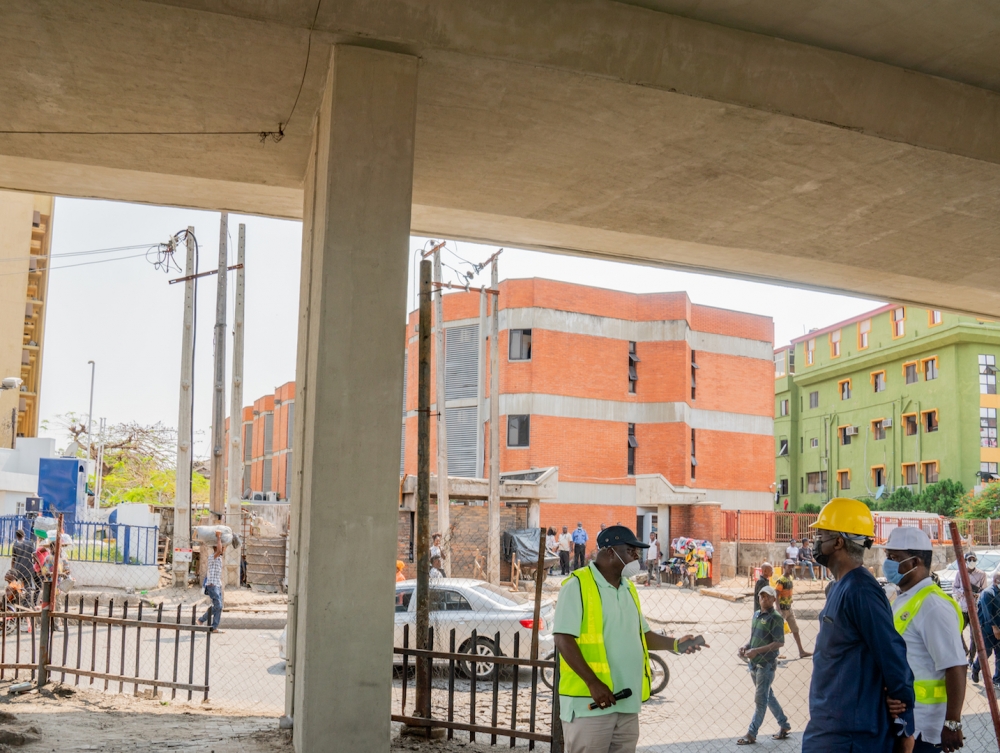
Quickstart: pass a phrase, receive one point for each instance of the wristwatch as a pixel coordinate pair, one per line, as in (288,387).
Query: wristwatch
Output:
(952,725)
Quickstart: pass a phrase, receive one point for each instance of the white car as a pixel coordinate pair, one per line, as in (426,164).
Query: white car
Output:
(466,605)
(987,561)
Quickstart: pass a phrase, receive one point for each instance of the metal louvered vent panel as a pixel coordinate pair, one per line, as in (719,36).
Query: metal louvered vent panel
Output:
(266,486)
(268,435)
(461,363)
(247,443)
(461,442)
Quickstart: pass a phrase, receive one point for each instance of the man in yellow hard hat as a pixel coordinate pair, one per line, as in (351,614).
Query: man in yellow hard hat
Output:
(859,665)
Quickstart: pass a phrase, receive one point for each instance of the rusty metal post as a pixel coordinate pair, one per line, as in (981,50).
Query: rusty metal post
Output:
(539,577)
(422,705)
(977,629)
(48,594)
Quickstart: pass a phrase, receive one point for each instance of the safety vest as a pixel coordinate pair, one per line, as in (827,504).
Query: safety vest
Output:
(926,691)
(591,640)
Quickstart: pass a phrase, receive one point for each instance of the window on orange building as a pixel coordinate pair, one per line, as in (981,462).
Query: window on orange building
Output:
(694,460)
(694,374)
(519,347)
(518,431)
(632,445)
(633,373)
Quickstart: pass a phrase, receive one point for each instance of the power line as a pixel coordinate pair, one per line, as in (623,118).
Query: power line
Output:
(305,68)
(80,264)
(79,253)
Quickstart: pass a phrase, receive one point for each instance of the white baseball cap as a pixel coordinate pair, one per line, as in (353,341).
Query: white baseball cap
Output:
(914,539)
(769,590)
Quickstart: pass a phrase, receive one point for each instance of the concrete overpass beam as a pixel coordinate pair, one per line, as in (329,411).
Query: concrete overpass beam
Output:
(350,375)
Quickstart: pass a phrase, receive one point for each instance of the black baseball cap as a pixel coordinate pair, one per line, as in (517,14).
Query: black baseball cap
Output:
(619,535)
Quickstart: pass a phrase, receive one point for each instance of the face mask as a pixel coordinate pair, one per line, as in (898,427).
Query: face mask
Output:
(891,570)
(971,566)
(822,559)
(631,569)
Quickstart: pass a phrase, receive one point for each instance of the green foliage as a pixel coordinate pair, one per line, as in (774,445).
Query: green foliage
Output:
(942,498)
(809,507)
(141,480)
(986,504)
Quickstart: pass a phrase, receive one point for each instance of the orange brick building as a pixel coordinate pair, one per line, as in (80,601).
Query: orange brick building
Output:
(643,402)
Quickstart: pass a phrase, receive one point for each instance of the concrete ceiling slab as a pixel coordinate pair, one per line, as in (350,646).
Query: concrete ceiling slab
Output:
(584,126)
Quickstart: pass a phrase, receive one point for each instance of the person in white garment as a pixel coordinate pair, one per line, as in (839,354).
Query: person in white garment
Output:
(930,622)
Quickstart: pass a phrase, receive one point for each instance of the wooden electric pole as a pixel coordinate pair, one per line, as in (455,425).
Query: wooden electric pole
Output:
(443,498)
(493,560)
(182,485)
(233,508)
(422,706)
(217,496)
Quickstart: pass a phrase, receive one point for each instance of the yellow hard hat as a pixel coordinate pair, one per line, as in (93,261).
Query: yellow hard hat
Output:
(846,516)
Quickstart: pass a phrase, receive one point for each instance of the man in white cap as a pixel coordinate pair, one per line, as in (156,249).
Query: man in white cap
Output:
(767,637)
(930,622)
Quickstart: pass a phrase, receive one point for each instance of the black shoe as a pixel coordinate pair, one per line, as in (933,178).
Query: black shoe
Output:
(975,675)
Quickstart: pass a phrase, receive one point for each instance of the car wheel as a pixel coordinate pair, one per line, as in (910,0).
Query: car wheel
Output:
(660,674)
(485,670)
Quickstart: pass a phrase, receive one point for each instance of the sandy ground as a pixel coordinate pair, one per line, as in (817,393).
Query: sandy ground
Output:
(74,720)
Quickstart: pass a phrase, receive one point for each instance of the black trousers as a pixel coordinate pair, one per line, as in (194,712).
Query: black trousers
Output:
(564,562)
(579,556)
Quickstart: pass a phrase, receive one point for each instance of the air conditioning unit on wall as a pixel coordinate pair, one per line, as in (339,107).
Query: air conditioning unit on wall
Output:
(851,431)
(886,423)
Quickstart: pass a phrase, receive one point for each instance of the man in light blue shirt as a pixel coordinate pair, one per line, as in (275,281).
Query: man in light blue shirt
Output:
(579,547)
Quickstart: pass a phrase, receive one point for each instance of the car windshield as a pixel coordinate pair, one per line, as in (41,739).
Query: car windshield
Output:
(502,595)
(983,562)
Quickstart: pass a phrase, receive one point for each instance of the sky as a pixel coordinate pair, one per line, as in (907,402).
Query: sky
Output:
(123,314)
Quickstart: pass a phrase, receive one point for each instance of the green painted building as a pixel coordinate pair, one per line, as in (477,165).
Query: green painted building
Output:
(897,396)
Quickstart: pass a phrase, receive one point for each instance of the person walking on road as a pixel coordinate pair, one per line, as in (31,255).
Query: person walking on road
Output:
(860,660)
(931,624)
(766,571)
(653,561)
(784,587)
(604,642)
(767,636)
(580,547)
(565,544)
(213,585)
(988,610)
(551,544)
(977,579)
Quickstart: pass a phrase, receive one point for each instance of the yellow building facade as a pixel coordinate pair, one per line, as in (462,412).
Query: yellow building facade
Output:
(25,235)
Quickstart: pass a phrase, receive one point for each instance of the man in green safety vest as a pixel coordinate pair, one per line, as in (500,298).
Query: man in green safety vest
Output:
(930,622)
(604,643)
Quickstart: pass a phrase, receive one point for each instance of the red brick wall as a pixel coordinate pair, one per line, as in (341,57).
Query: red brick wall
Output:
(558,515)
(734,384)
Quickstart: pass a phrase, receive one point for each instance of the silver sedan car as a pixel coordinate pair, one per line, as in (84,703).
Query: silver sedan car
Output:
(464,604)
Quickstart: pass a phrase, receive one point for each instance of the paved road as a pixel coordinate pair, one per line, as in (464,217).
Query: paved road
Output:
(245,671)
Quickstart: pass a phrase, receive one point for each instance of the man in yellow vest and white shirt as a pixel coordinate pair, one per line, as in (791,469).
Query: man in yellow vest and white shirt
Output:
(604,645)
(930,622)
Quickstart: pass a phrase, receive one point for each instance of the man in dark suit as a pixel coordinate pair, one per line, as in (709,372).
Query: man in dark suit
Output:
(988,610)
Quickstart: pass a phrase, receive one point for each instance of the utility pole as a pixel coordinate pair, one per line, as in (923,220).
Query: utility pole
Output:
(182,485)
(90,411)
(481,391)
(443,497)
(233,508)
(217,495)
(98,477)
(493,560)
(422,706)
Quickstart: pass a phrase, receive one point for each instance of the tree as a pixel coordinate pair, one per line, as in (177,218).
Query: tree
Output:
(986,504)
(944,497)
(139,461)
(902,499)
(809,507)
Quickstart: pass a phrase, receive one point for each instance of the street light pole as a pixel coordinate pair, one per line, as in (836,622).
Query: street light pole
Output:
(90,411)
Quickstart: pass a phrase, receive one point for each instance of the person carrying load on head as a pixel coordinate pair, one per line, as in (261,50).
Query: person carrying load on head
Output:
(931,623)
(604,642)
(859,662)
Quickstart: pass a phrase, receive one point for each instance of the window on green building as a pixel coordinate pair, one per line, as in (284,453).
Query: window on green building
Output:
(816,482)
(898,322)
(934,318)
(910,424)
(814,399)
(845,389)
(783,486)
(910,477)
(878,429)
(878,381)
(846,432)
(835,344)
(878,475)
(779,364)
(987,375)
(783,408)
(910,371)
(844,480)
(930,369)
(987,427)
(864,331)
(930,472)
(930,420)
(987,470)
(814,442)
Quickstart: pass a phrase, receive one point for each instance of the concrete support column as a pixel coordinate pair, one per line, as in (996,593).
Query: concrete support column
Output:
(351,341)
(534,513)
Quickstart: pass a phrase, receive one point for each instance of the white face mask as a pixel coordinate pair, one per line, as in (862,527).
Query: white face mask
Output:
(631,569)
(971,565)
